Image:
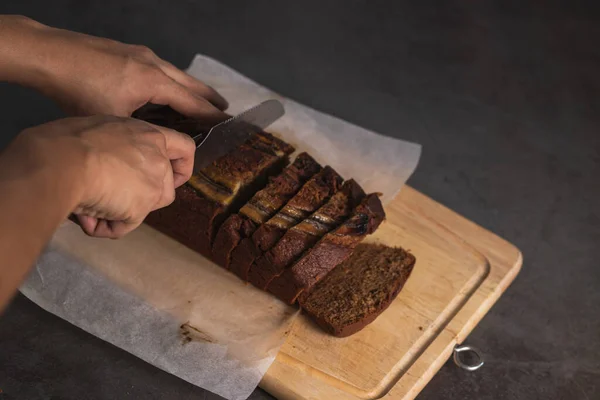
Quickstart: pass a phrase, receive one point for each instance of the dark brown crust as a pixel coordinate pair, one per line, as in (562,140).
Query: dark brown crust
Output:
(242,257)
(330,251)
(230,233)
(262,206)
(181,220)
(347,330)
(301,237)
(310,197)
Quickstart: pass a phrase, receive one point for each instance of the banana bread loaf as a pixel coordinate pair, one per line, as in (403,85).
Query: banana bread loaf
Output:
(330,251)
(302,236)
(262,206)
(310,197)
(356,291)
(299,237)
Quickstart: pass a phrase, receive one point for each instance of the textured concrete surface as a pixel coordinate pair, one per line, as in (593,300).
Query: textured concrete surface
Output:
(505,99)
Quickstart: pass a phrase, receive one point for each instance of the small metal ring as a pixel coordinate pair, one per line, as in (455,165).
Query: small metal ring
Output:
(461,364)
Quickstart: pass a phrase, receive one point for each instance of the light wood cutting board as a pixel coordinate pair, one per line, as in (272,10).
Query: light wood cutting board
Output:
(461,271)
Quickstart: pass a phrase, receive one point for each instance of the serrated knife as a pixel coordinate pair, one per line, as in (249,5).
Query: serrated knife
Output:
(225,136)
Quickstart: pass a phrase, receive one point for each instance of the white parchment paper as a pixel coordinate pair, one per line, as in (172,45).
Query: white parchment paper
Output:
(169,306)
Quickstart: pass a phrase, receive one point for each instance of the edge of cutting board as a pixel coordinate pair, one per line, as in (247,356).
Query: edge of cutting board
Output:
(505,261)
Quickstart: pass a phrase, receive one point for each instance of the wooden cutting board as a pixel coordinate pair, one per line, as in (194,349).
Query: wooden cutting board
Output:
(461,271)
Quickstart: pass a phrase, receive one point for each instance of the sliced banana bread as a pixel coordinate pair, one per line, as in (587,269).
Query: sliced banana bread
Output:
(356,291)
(309,198)
(331,250)
(262,206)
(219,189)
(302,236)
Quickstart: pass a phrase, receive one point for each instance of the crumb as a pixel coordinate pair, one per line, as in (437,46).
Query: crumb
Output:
(420,328)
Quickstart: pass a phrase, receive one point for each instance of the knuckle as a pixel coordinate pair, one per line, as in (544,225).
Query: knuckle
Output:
(157,141)
(169,197)
(143,51)
(165,166)
(162,140)
(157,199)
(152,74)
(143,70)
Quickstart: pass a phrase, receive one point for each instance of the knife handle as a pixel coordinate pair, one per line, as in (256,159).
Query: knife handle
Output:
(169,118)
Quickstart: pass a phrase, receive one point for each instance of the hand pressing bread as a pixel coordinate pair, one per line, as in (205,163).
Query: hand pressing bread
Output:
(120,169)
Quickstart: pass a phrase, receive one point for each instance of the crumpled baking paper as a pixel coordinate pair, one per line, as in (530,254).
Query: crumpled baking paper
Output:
(169,306)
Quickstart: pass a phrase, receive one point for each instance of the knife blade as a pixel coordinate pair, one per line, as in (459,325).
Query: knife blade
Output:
(230,133)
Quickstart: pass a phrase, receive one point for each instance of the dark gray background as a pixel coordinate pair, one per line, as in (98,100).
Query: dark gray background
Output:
(504,98)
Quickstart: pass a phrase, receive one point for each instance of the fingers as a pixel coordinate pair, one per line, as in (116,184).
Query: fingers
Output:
(102,228)
(88,224)
(180,149)
(114,229)
(186,102)
(153,160)
(168,191)
(197,87)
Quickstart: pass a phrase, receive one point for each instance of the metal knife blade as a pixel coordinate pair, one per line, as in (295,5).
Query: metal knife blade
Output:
(228,134)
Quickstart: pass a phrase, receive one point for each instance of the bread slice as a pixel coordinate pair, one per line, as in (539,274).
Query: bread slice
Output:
(331,250)
(219,189)
(309,198)
(304,235)
(359,289)
(262,206)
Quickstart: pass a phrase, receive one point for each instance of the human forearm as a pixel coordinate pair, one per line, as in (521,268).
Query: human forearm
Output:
(89,75)
(21,60)
(110,172)
(38,193)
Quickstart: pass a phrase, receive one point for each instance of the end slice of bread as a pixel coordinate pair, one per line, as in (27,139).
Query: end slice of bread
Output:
(359,289)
